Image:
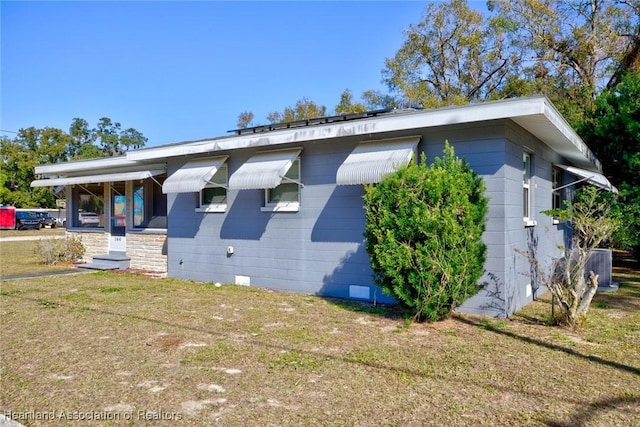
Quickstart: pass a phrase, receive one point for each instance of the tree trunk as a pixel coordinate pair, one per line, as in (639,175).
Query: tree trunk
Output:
(592,287)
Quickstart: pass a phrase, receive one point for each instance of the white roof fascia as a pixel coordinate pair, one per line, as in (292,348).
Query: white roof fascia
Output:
(104,169)
(536,115)
(105,163)
(385,123)
(552,129)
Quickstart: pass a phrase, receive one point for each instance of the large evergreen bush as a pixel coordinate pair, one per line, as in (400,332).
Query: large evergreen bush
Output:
(424,228)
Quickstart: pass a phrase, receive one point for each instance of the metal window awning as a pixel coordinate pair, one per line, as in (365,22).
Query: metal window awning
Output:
(96,179)
(264,170)
(593,178)
(371,160)
(193,176)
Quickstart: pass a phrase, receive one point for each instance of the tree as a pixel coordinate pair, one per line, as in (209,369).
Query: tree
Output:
(374,100)
(453,56)
(19,156)
(304,109)
(245,120)
(612,131)
(32,147)
(567,50)
(131,139)
(52,146)
(592,224)
(347,104)
(114,141)
(631,59)
(371,100)
(423,232)
(83,137)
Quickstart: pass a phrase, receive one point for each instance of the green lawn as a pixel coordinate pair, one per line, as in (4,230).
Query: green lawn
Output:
(44,232)
(26,256)
(128,348)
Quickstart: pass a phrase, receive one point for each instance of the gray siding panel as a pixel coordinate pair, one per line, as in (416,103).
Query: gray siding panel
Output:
(320,249)
(316,250)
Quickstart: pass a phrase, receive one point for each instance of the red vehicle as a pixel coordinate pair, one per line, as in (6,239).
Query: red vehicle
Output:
(7,218)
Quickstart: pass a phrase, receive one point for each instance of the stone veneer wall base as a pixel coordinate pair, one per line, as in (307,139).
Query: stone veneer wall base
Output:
(147,251)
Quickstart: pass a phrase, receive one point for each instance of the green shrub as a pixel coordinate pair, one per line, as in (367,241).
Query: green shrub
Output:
(423,232)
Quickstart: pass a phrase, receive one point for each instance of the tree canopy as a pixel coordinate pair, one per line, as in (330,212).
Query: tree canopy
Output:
(456,54)
(32,147)
(567,51)
(612,130)
(453,56)
(305,108)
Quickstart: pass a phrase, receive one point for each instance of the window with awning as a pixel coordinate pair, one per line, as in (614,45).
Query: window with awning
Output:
(194,175)
(371,160)
(277,173)
(590,177)
(266,169)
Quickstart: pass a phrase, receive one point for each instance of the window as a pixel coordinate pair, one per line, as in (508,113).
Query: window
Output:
(526,189)
(149,204)
(118,205)
(138,205)
(556,197)
(286,196)
(213,197)
(88,206)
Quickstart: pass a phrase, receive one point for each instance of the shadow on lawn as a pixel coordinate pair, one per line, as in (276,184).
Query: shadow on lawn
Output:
(586,414)
(484,325)
(588,411)
(388,311)
(569,351)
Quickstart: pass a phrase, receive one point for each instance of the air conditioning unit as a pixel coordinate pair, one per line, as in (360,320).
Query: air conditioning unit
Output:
(600,262)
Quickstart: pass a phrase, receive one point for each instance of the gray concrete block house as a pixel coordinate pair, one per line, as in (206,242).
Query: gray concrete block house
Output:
(281,206)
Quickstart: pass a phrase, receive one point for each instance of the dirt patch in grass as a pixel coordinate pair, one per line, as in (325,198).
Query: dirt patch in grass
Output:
(131,350)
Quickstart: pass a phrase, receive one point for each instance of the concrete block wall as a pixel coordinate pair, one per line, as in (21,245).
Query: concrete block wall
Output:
(147,251)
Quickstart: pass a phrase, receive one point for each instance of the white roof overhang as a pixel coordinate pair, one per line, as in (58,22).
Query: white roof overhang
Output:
(263,170)
(193,176)
(536,115)
(593,178)
(95,179)
(105,163)
(371,160)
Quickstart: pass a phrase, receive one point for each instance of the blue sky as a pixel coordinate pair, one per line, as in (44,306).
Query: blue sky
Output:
(179,71)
